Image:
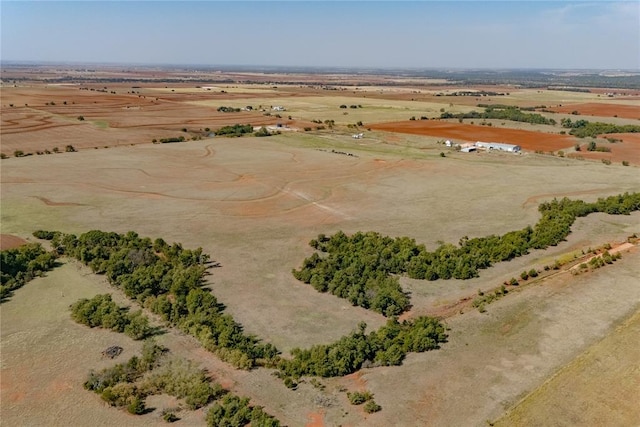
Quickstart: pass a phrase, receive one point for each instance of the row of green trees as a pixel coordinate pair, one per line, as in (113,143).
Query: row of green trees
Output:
(584,128)
(502,112)
(166,279)
(235,130)
(359,267)
(385,347)
(101,311)
(22,264)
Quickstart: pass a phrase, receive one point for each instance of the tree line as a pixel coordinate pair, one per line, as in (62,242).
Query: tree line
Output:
(20,265)
(359,267)
(584,128)
(387,346)
(166,279)
(502,112)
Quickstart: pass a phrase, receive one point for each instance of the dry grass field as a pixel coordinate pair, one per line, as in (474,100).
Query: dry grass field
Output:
(254,204)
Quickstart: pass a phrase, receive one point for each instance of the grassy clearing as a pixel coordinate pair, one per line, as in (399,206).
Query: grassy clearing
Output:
(328,108)
(602,383)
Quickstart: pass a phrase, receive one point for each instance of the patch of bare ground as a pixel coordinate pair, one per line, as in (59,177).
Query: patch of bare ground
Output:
(627,149)
(8,241)
(601,109)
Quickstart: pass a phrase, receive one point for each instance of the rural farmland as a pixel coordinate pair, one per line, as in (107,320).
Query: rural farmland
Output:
(251,167)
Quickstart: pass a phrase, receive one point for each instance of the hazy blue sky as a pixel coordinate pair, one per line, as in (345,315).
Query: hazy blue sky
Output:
(466,34)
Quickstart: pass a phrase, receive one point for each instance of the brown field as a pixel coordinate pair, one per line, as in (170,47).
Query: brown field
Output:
(627,150)
(7,241)
(254,203)
(601,109)
(528,140)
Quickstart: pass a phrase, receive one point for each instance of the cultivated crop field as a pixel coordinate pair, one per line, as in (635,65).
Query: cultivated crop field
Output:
(254,203)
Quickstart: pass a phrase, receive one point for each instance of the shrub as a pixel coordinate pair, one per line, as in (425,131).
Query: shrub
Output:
(625,163)
(136,406)
(81,118)
(370,407)
(262,132)
(169,416)
(3,156)
(18,153)
(358,398)
(69,149)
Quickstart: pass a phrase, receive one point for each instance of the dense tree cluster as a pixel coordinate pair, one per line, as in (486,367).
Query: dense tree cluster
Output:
(20,265)
(502,112)
(235,130)
(101,311)
(166,279)
(359,267)
(385,347)
(236,411)
(584,128)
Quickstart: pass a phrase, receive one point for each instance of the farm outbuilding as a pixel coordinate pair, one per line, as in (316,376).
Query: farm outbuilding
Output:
(499,146)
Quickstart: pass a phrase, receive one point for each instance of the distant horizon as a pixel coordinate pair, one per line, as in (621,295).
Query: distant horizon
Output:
(485,35)
(238,67)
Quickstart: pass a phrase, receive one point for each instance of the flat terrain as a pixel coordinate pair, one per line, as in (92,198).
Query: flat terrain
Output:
(604,383)
(254,203)
(528,140)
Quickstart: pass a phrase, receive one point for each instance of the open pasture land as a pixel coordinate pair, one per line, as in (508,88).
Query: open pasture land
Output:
(254,203)
(599,387)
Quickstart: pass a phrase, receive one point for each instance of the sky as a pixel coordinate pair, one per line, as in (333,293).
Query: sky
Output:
(365,34)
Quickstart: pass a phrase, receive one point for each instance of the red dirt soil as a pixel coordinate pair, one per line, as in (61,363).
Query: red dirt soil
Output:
(8,241)
(601,109)
(528,140)
(627,150)
(316,419)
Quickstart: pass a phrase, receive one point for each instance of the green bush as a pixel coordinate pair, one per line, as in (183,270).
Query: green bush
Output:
(370,407)
(358,397)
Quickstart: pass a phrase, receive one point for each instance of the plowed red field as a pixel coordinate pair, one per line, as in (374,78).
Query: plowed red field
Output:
(602,110)
(627,150)
(528,140)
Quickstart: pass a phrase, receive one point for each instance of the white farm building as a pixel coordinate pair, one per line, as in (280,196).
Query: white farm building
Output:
(490,146)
